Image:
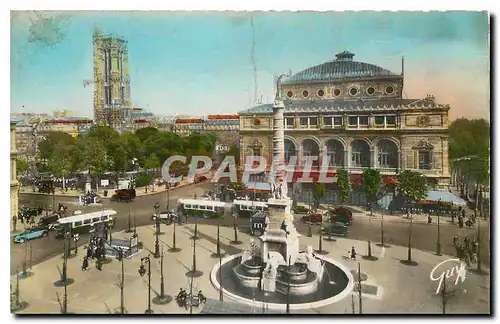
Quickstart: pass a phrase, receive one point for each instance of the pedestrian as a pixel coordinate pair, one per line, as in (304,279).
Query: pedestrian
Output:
(455,240)
(466,242)
(429,219)
(460,222)
(98,265)
(85,264)
(89,252)
(353,254)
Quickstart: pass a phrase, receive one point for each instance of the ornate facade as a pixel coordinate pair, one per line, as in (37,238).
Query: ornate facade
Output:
(110,78)
(352,115)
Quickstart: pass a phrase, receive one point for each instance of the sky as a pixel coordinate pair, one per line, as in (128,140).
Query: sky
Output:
(199,63)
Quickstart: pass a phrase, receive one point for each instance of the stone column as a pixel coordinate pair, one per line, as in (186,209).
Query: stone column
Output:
(346,159)
(372,158)
(399,161)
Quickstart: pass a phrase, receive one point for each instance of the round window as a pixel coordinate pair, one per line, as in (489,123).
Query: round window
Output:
(370,91)
(289,94)
(336,92)
(321,93)
(389,89)
(353,91)
(305,93)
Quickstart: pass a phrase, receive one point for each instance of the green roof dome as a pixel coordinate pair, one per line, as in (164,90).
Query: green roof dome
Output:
(343,67)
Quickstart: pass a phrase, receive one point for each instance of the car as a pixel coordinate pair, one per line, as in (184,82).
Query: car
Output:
(31,234)
(49,222)
(258,223)
(336,229)
(342,215)
(167,216)
(314,218)
(124,195)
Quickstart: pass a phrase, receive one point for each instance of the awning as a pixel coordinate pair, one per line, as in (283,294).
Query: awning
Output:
(434,196)
(257,187)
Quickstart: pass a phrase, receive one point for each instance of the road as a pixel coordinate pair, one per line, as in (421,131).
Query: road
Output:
(424,236)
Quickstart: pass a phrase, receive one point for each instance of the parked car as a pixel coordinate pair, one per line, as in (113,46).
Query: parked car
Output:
(314,218)
(336,229)
(31,234)
(342,215)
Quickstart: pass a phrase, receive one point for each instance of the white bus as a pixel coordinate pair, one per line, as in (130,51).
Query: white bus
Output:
(250,205)
(84,222)
(203,205)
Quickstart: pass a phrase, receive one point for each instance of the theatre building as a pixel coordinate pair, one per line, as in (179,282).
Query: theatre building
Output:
(354,116)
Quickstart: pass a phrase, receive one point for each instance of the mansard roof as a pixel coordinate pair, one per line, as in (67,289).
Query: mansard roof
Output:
(336,106)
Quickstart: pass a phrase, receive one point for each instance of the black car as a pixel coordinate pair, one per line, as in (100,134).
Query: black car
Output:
(257,223)
(49,222)
(336,229)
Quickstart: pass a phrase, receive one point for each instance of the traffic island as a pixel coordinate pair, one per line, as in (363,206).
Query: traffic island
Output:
(218,255)
(174,250)
(20,306)
(194,274)
(62,283)
(369,257)
(26,274)
(409,262)
(162,300)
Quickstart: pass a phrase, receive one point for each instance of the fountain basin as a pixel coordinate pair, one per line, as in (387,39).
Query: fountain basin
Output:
(305,293)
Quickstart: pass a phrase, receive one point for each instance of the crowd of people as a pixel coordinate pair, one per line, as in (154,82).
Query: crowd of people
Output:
(466,251)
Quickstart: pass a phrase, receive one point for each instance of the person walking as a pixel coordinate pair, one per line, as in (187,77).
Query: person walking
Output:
(85,264)
(353,253)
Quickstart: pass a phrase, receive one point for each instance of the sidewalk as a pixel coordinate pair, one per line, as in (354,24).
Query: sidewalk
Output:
(95,291)
(140,191)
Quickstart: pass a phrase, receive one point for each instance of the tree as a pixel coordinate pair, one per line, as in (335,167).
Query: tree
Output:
(143,134)
(371,185)
(344,186)
(92,156)
(318,192)
(412,185)
(21,166)
(150,164)
(469,138)
(132,145)
(53,140)
(61,163)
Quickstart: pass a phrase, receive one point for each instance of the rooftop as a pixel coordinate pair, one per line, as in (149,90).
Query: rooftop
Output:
(343,67)
(332,105)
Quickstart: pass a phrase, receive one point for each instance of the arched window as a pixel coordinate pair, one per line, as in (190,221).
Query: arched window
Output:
(360,154)
(310,148)
(334,153)
(289,150)
(387,154)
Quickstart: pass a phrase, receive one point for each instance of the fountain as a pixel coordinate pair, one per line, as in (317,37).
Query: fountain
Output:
(276,272)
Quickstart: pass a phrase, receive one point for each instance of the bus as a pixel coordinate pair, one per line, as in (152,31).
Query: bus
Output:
(83,223)
(250,205)
(202,205)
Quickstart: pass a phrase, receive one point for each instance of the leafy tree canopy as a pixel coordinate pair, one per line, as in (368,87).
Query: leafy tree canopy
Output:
(53,140)
(469,138)
(344,185)
(371,183)
(412,185)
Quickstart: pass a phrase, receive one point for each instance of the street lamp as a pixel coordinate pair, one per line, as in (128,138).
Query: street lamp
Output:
(142,272)
(174,248)
(162,299)
(438,243)
(309,229)
(194,273)
(76,238)
(157,231)
(235,215)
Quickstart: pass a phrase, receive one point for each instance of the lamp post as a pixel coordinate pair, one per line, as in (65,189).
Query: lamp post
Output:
(309,228)
(438,242)
(174,248)
(162,299)
(221,295)
(194,273)
(76,238)
(288,285)
(157,232)
(129,229)
(235,241)
(142,272)
(320,243)
(218,253)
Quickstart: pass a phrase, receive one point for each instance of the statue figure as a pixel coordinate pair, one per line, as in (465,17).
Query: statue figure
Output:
(250,252)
